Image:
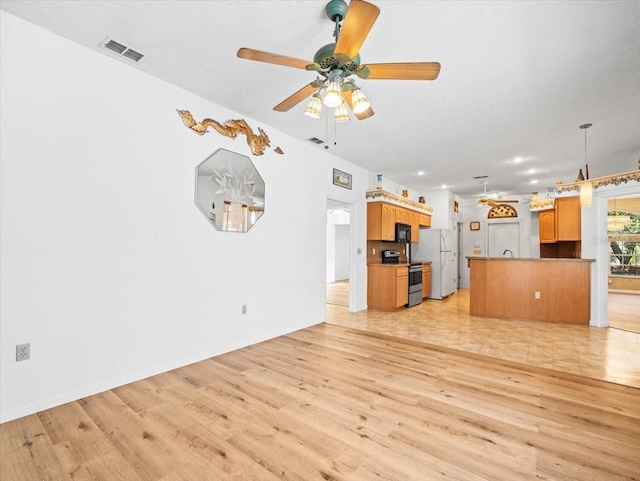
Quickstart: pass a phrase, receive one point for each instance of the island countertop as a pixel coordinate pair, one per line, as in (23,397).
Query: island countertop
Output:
(551,290)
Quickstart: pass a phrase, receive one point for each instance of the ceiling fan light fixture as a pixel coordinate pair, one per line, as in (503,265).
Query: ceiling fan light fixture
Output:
(333,95)
(341,114)
(360,102)
(314,107)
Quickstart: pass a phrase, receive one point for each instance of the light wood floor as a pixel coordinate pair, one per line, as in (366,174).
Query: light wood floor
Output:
(330,403)
(338,293)
(600,353)
(624,311)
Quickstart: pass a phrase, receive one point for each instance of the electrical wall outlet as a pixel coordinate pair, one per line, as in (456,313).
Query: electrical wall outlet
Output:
(244,308)
(537,295)
(23,352)
(359,251)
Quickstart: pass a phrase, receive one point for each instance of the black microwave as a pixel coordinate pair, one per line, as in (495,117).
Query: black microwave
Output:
(403,233)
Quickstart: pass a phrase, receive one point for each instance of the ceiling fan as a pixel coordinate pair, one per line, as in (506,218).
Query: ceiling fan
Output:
(487,200)
(336,62)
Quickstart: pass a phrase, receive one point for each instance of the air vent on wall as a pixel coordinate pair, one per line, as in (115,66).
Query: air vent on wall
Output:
(316,140)
(481,176)
(122,50)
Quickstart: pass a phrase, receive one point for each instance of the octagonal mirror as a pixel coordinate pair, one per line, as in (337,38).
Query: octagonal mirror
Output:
(229,191)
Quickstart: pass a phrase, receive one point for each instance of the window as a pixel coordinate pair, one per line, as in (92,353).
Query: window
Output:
(624,248)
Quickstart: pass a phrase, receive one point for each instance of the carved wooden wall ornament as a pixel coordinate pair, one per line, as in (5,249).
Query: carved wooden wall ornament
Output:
(501,211)
(231,128)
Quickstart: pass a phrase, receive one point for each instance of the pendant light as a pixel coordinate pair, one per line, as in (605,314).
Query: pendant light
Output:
(586,189)
(616,221)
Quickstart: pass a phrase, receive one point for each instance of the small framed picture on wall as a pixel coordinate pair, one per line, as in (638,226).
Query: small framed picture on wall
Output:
(342,179)
(474,225)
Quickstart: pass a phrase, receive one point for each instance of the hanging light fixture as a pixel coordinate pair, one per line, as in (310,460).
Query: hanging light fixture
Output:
(586,189)
(314,108)
(616,221)
(340,114)
(333,88)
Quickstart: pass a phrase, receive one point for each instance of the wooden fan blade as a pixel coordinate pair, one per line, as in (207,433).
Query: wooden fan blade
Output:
(404,71)
(346,95)
(259,56)
(357,23)
(298,97)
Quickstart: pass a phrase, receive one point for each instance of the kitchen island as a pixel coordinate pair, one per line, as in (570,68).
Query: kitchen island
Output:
(550,290)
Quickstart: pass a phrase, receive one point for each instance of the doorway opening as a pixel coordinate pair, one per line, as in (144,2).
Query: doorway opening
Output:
(623,294)
(338,256)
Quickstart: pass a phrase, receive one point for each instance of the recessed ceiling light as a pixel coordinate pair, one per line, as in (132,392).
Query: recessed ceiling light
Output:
(444,186)
(517,159)
(421,172)
(534,181)
(531,171)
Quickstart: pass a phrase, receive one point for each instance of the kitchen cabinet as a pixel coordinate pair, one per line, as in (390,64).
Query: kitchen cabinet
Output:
(382,218)
(426,279)
(547,224)
(402,215)
(568,223)
(424,220)
(560,229)
(402,286)
(388,286)
(414,222)
(381,221)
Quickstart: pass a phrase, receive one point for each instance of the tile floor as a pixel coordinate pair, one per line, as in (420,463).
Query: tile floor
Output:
(601,353)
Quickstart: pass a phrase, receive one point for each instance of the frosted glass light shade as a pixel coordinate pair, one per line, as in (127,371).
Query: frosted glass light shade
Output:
(341,114)
(359,101)
(333,96)
(314,107)
(586,194)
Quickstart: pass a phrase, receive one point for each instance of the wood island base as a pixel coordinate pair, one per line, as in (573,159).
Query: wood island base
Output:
(549,290)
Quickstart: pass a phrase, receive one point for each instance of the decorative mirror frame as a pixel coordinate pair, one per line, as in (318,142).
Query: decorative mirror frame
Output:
(229,191)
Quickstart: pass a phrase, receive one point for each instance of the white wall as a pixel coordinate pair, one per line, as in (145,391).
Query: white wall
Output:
(475,243)
(343,233)
(108,268)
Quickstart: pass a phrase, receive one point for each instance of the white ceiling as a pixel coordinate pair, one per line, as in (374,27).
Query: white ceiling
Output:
(517,80)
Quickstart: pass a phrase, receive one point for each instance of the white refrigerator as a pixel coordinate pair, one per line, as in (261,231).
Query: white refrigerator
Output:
(437,246)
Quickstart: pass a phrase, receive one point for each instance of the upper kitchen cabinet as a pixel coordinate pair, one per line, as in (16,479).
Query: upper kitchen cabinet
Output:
(560,229)
(547,223)
(561,223)
(381,221)
(384,210)
(568,218)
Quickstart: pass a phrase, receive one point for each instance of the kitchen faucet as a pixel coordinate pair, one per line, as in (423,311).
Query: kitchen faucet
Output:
(509,251)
